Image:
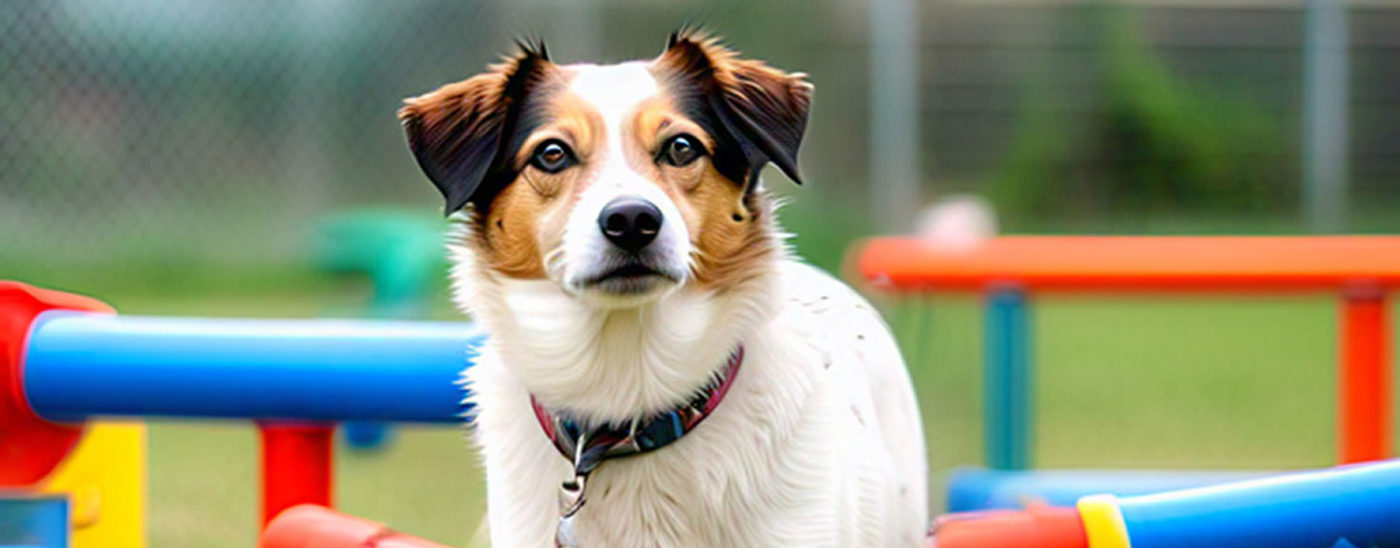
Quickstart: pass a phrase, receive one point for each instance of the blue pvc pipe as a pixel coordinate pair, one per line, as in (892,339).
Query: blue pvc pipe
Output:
(82,365)
(1007,382)
(1358,504)
(971,489)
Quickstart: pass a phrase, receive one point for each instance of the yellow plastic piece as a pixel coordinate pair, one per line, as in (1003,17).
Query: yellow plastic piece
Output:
(105,480)
(1103,522)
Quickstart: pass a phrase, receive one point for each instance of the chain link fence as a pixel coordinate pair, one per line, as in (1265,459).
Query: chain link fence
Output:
(218,132)
(209,130)
(169,132)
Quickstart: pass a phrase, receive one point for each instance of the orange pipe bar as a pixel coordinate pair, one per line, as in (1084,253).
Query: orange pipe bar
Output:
(1101,263)
(310,526)
(1364,415)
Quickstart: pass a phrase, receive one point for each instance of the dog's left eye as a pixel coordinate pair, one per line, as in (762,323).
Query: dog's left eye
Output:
(552,156)
(681,150)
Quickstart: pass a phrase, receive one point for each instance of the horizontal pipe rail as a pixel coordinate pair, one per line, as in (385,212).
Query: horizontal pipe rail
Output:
(973,489)
(1100,263)
(1357,503)
(80,365)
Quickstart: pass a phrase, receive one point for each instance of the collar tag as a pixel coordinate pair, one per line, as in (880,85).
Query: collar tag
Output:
(571,498)
(572,495)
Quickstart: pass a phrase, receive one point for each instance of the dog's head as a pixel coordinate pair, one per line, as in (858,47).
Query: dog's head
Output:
(620,182)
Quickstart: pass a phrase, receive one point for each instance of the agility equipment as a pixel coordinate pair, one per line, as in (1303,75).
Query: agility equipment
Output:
(73,374)
(1353,505)
(69,366)
(1010,270)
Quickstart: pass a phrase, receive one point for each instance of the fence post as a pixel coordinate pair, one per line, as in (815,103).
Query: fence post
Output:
(1007,381)
(1363,383)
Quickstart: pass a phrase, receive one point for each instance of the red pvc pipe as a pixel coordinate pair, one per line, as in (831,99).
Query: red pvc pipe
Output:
(1364,410)
(296,466)
(1039,526)
(308,526)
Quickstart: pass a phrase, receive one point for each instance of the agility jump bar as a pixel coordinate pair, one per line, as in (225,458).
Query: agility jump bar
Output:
(80,365)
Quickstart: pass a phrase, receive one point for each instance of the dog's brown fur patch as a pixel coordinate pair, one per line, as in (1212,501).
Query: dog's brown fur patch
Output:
(506,235)
(720,216)
(527,219)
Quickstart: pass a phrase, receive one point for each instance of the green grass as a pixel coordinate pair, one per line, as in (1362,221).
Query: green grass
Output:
(204,477)
(1123,382)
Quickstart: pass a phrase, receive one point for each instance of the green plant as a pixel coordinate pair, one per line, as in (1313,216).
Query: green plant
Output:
(1155,143)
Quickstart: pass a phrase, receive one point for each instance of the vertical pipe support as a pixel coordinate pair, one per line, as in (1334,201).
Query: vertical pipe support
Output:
(296,465)
(1364,403)
(1007,381)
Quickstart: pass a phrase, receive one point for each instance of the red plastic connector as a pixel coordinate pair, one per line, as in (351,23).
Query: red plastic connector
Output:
(30,447)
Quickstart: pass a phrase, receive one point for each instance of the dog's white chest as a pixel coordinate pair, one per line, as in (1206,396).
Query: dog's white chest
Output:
(817,444)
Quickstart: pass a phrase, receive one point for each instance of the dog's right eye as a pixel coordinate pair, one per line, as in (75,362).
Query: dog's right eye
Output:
(552,156)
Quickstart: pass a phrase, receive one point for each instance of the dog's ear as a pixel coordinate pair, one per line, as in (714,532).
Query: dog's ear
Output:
(765,108)
(460,132)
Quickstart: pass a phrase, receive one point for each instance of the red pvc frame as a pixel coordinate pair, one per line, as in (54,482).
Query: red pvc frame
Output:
(1364,399)
(1361,268)
(297,466)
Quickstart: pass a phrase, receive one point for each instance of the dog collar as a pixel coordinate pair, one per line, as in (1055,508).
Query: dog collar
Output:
(587,446)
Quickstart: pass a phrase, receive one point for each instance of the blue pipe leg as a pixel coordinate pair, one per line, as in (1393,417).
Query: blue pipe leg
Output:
(1007,382)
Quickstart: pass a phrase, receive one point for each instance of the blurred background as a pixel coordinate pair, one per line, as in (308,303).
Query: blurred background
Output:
(243,159)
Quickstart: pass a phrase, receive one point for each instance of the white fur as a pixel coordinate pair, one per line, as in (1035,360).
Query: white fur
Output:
(818,442)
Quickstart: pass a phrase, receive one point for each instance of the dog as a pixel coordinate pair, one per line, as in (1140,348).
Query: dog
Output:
(661,370)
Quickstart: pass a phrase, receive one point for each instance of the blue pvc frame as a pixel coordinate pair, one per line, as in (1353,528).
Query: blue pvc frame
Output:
(974,489)
(1355,503)
(81,365)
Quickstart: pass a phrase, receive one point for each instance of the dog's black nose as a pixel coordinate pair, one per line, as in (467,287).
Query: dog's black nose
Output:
(630,223)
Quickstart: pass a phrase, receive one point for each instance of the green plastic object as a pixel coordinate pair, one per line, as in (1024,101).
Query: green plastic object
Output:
(401,252)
